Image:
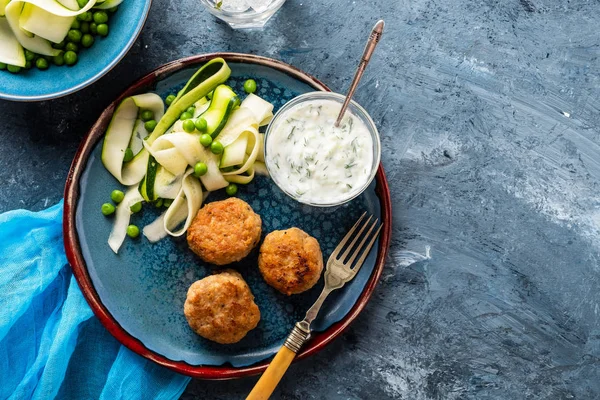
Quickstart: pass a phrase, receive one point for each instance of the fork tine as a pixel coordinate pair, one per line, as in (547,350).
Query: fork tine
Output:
(339,247)
(360,246)
(365,253)
(356,237)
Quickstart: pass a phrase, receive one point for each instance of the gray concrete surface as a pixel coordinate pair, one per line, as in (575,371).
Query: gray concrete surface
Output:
(489,113)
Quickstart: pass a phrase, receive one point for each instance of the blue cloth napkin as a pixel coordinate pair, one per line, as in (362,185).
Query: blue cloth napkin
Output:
(51,344)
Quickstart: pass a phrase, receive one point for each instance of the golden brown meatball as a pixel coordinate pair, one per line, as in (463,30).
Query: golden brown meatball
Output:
(290,261)
(221,307)
(224,231)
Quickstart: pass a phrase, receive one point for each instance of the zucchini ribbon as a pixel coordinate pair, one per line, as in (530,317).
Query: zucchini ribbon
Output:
(36,24)
(164,160)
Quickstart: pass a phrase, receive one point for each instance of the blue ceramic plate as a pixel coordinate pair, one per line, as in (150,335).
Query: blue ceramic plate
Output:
(34,85)
(139,293)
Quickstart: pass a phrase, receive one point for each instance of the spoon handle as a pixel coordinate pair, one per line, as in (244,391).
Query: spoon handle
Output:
(369,48)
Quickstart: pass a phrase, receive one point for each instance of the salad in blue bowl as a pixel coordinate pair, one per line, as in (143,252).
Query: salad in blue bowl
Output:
(50,48)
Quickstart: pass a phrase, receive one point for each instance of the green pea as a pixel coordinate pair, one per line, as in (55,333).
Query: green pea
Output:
(188,126)
(191,109)
(93,28)
(72,47)
(108,209)
(200,169)
(2,66)
(231,189)
(205,139)
(13,69)
(60,45)
(87,40)
(70,58)
(113,10)
(82,3)
(150,125)
(201,124)
(29,55)
(146,115)
(185,115)
(170,98)
(117,196)
(41,63)
(85,17)
(28,65)
(102,29)
(158,203)
(167,203)
(250,86)
(85,28)
(100,17)
(74,36)
(216,147)
(133,231)
(59,59)
(137,207)
(76,25)
(128,156)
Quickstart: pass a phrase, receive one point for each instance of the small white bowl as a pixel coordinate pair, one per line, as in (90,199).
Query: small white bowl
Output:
(353,108)
(244,17)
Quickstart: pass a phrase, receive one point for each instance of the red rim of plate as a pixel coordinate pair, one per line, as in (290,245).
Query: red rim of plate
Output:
(74,255)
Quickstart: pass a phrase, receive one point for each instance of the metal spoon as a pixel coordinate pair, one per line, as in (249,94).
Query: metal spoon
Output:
(369,48)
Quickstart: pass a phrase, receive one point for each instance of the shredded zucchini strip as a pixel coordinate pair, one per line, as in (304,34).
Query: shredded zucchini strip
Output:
(188,199)
(184,208)
(108,4)
(11,51)
(167,185)
(242,179)
(56,8)
(44,24)
(239,120)
(71,4)
(119,135)
(251,149)
(242,122)
(52,9)
(3,4)
(177,150)
(209,76)
(201,106)
(260,168)
(122,216)
(261,149)
(262,109)
(155,231)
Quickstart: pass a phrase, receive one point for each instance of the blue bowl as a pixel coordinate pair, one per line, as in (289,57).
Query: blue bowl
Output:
(36,85)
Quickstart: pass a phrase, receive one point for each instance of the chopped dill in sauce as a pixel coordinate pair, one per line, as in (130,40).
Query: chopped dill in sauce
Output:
(315,160)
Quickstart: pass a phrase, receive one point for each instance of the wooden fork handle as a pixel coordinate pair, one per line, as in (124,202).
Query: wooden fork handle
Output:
(271,377)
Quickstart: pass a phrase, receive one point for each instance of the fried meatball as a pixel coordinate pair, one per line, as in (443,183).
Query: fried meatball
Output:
(224,231)
(290,261)
(221,307)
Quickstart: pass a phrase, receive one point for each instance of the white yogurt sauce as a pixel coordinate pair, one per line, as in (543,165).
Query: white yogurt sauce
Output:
(315,161)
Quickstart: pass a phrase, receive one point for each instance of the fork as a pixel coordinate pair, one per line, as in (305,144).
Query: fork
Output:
(340,270)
